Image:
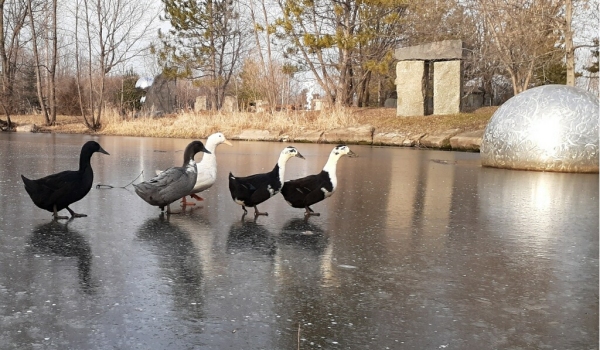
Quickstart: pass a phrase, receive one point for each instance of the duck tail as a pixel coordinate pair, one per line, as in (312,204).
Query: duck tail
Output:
(232,182)
(144,192)
(36,192)
(30,185)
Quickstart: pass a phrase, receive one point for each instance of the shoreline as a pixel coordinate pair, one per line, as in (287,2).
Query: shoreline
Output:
(452,139)
(359,126)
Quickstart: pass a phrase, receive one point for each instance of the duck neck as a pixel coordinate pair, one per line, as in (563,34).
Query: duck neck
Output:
(281,168)
(188,155)
(331,165)
(84,161)
(209,159)
(191,166)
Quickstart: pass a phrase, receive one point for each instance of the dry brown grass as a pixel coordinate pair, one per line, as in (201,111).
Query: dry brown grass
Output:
(292,123)
(385,120)
(64,124)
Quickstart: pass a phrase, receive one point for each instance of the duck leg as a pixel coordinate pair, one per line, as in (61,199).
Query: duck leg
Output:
(310,212)
(184,202)
(56,216)
(75,215)
(244,209)
(257,213)
(198,198)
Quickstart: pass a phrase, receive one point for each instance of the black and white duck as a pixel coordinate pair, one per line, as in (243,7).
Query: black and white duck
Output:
(306,191)
(254,189)
(173,183)
(57,191)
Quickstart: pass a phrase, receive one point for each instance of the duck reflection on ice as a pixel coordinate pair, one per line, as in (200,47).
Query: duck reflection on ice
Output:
(304,235)
(58,239)
(178,260)
(250,236)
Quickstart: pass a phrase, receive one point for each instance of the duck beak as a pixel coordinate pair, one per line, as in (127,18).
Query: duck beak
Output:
(299,155)
(352,154)
(227,143)
(101,150)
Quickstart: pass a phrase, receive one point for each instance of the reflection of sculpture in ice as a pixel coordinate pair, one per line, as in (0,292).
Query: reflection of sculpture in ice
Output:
(550,128)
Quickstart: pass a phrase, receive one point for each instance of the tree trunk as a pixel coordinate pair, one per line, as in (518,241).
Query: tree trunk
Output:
(341,94)
(36,58)
(9,52)
(53,64)
(6,87)
(366,91)
(78,67)
(570,51)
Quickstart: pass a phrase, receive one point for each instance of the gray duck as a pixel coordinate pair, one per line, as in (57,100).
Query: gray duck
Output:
(173,183)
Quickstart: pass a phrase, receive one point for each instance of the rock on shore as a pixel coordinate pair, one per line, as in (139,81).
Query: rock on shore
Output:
(453,139)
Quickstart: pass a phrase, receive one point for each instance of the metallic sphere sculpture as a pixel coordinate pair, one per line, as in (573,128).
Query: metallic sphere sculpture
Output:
(547,128)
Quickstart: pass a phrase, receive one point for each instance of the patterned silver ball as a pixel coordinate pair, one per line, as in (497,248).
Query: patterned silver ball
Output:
(547,128)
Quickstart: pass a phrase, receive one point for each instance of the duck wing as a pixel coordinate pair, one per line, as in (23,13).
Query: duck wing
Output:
(167,186)
(240,187)
(305,191)
(266,187)
(54,189)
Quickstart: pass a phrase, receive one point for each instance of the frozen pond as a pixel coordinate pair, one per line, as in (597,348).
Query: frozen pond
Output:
(416,250)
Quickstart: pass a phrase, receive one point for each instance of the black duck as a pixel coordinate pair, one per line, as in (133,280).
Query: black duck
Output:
(57,191)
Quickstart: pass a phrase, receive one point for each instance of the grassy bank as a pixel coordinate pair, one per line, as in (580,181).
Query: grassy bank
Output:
(292,123)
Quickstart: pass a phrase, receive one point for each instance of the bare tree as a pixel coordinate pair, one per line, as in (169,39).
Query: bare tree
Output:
(569,49)
(522,34)
(264,29)
(276,86)
(108,34)
(49,34)
(508,38)
(12,20)
(580,28)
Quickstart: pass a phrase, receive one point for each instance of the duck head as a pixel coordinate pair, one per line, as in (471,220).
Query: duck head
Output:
(216,139)
(337,153)
(342,150)
(193,148)
(289,152)
(91,147)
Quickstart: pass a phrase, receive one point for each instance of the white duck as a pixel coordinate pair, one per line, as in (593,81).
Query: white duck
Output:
(207,168)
